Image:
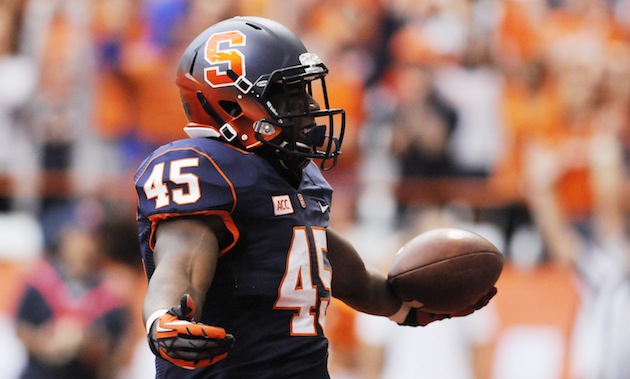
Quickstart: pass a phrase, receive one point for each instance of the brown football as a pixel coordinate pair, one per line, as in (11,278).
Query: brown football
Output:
(445,270)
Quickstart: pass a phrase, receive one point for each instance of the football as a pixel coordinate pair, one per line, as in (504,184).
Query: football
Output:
(445,270)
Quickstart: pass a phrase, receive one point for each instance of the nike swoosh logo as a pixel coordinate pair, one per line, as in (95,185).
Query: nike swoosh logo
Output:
(323,207)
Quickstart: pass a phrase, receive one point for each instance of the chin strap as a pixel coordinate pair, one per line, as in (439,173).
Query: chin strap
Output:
(226,130)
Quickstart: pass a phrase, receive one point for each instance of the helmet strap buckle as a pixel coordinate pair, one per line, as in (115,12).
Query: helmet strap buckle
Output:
(228,132)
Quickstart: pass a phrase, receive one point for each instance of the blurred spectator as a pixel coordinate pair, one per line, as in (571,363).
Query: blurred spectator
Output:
(139,46)
(432,32)
(592,239)
(72,323)
(423,124)
(18,77)
(614,94)
(518,42)
(21,245)
(554,93)
(472,86)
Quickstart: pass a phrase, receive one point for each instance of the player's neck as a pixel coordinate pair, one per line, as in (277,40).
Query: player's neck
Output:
(292,176)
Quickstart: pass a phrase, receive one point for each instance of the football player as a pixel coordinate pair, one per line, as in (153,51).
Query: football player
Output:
(233,221)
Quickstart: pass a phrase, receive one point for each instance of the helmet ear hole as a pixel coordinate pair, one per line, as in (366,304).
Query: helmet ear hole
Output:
(231,108)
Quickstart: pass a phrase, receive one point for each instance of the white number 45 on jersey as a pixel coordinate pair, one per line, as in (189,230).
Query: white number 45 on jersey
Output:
(187,190)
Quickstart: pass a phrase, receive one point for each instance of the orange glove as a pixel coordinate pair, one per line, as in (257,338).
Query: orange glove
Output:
(175,337)
(418,317)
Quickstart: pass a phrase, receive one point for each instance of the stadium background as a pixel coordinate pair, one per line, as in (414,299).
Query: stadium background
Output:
(443,99)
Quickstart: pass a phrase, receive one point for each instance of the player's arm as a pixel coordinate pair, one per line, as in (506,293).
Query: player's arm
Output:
(185,255)
(363,288)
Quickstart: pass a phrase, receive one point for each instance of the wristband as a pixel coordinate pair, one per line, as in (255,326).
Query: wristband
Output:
(154,316)
(400,316)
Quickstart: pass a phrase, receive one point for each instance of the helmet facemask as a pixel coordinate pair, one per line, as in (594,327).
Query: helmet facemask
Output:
(292,97)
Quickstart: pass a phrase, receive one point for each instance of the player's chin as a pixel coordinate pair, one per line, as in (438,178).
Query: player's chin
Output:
(298,156)
(296,162)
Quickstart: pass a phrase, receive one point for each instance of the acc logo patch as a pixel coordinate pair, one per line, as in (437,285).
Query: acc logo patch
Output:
(282,205)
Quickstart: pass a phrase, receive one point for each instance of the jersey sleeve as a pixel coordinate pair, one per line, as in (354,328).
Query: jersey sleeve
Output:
(184,182)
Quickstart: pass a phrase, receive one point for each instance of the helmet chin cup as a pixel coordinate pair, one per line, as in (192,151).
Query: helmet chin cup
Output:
(316,135)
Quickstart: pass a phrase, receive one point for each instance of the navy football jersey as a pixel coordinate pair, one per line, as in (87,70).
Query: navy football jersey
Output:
(272,283)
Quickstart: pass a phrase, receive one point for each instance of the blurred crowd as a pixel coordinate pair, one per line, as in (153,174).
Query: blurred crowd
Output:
(507,117)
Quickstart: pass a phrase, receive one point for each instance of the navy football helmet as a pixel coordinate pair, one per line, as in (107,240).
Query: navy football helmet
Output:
(251,82)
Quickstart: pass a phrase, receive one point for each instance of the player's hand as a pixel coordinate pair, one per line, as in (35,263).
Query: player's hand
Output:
(418,317)
(175,337)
